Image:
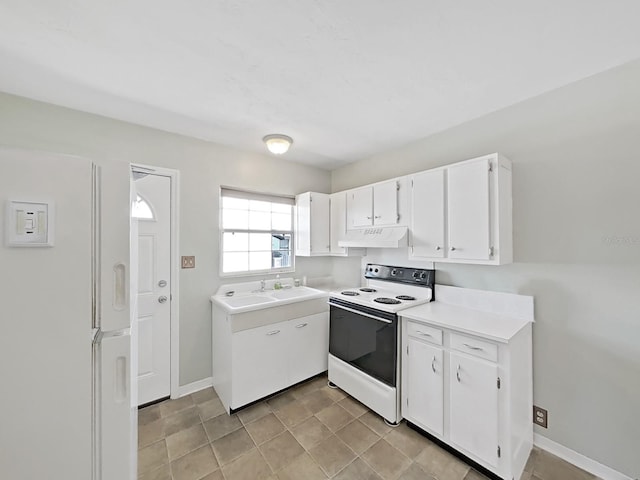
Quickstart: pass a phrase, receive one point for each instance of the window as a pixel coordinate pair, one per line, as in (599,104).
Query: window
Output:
(141,209)
(257,232)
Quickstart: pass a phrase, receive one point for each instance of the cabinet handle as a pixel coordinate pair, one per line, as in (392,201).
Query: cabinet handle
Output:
(377,216)
(472,347)
(438,248)
(275,332)
(424,334)
(453,249)
(302,325)
(433,364)
(368,218)
(458,373)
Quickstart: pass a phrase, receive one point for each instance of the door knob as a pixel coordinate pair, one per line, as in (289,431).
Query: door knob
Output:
(162,283)
(162,299)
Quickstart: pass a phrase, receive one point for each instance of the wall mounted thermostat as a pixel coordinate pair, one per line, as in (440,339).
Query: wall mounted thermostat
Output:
(29,224)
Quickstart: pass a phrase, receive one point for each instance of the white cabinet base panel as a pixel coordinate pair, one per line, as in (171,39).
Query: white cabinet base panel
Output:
(484,377)
(379,397)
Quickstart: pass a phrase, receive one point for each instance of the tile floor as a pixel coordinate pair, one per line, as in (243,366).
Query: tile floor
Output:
(309,432)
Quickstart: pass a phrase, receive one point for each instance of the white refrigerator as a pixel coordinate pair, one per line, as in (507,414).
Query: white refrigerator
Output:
(67,360)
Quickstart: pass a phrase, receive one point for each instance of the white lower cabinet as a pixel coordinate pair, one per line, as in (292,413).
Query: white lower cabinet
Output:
(473,406)
(253,363)
(471,393)
(424,385)
(259,362)
(308,348)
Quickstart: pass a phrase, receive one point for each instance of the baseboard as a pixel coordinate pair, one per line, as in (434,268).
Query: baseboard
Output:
(190,388)
(577,459)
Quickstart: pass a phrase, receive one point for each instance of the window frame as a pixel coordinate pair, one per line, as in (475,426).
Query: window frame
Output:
(250,195)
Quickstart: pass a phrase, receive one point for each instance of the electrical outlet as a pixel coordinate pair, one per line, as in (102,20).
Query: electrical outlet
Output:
(189,262)
(540,416)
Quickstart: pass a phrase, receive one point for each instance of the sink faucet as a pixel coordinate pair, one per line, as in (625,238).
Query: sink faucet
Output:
(262,285)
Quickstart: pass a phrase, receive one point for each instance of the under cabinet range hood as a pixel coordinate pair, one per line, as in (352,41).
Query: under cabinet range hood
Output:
(377,237)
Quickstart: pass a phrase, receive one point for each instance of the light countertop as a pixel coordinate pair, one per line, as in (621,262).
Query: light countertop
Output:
(496,327)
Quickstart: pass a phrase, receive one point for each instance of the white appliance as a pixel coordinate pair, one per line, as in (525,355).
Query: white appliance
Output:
(364,336)
(66,353)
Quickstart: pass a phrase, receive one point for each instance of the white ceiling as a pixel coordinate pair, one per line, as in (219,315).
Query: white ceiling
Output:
(344,78)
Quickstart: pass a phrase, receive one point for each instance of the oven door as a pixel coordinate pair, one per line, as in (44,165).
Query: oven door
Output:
(365,338)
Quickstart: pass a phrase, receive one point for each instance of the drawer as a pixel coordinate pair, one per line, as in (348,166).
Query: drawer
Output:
(474,346)
(424,332)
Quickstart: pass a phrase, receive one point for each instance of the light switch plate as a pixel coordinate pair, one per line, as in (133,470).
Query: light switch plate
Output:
(29,224)
(189,261)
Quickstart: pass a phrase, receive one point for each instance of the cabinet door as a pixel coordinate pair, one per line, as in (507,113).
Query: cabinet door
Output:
(427,214)
(320,242)
(385,203)
(312,224)
(360,207)
(308,346)
(425,385)
(468,210)
(473,415)
(303,224)
(259,363)
(338,221)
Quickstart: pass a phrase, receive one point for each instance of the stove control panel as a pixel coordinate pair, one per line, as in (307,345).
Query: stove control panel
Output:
(414,276)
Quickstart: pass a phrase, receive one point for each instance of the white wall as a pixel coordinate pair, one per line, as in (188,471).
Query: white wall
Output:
(576,198)
(39,351)
(203,168)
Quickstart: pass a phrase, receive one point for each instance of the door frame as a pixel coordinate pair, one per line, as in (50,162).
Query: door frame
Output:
(174,177)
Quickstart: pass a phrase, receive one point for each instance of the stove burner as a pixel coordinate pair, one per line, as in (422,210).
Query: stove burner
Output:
(349,293)
(385,300)
(405,297)
(368,290)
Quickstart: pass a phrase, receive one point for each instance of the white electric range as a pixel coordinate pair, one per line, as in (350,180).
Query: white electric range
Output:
(364,334)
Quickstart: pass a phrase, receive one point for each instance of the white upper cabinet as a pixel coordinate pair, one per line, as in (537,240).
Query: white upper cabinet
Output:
(320,222)
(428,214)
(338,217)
(468,208)
(374,205)
(385,203)
(312,224)
(360,207)
(339,226)
(463,213)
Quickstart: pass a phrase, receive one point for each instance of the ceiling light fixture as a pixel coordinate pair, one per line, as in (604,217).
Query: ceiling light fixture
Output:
(277,143)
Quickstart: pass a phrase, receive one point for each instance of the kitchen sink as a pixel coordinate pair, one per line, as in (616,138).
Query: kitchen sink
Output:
(297,292)
(245,301)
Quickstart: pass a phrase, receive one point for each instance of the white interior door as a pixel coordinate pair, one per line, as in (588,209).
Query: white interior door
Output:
(154,287)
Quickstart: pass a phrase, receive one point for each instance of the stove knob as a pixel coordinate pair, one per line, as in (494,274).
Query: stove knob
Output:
(394,272)
(423,275)
(376,270)
(416,275)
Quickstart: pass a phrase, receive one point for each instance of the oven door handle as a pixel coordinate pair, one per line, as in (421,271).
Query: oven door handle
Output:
(353,310)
